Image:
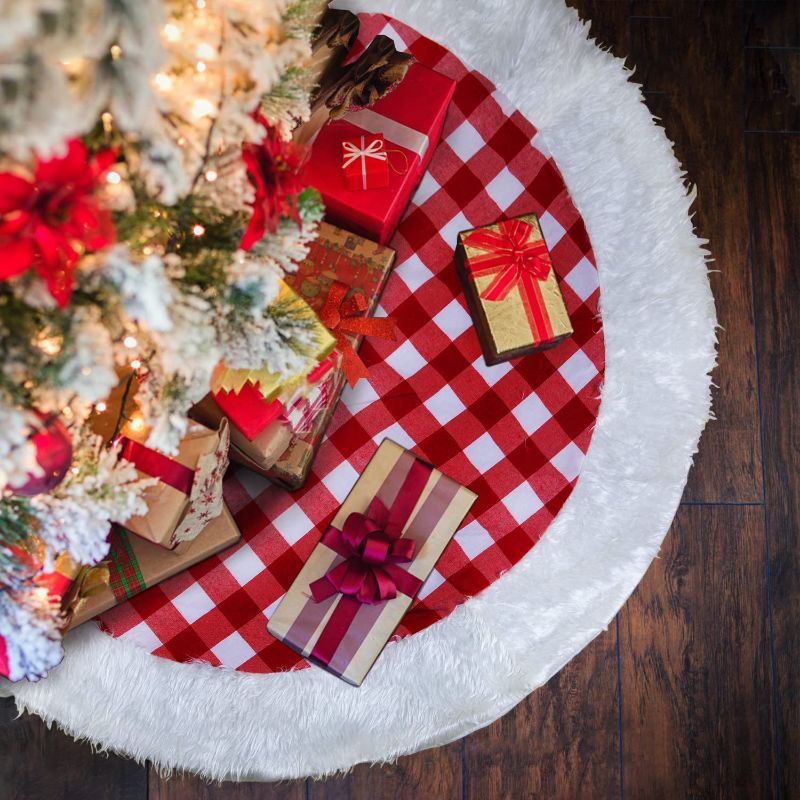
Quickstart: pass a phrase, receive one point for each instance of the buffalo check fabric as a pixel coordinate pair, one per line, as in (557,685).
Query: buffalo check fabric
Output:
(516,433)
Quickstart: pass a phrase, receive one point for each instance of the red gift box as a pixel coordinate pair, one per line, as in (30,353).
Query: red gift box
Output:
(410,119)
(365,163)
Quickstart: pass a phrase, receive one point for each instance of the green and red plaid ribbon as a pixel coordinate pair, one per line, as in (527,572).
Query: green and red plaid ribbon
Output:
(126,577)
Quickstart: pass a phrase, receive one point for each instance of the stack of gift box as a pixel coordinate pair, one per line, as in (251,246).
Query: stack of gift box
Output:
(366,159)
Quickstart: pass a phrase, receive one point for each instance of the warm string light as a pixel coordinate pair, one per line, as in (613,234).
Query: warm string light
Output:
(107,120)
(116,52)
(211,175)
(198,230)
(162,81)
(113,178)
(135,364)
(172,32)
(100,407)
(130,342)
(202,108)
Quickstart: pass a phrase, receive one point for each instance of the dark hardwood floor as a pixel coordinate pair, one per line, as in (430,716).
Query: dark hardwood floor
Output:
(695,691)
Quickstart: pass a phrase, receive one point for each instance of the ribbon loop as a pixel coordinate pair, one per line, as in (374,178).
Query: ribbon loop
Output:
(374,549)
(345,316)
(353,152)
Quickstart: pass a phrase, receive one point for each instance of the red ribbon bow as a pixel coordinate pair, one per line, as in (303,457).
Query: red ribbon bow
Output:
(346,316)
(373,549)
(516,256)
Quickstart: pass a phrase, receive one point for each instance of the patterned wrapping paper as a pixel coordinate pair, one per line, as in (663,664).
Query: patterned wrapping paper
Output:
(345,633)
(511,289)
(336,256)
(134,564)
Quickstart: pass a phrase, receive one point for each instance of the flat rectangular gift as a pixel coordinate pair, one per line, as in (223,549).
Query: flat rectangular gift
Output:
(511,289)
(187,492)
(362,577)
(336,258)
(134,564)
(410,121)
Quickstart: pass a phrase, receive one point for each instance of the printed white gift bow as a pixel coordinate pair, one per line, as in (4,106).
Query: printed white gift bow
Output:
(354,153)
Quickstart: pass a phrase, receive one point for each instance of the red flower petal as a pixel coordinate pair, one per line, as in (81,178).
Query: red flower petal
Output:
(16,193)
(16,256)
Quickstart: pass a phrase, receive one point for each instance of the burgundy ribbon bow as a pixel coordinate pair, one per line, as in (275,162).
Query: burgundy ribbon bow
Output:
(373,549)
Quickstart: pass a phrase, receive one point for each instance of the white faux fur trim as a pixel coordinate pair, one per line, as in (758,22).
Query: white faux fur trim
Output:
(467,670)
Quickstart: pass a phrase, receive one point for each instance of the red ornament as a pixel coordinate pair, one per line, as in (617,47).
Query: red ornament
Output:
(53,454)
(275,168)
(48,220)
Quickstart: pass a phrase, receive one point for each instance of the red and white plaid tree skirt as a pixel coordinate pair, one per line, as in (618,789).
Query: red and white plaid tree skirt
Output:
(516,433)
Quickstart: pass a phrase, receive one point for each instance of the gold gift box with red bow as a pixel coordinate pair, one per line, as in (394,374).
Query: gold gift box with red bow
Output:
(511,289)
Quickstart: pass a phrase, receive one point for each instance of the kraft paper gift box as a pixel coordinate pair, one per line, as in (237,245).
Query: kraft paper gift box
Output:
(335,257)
(511,289)
(134,564)
(362,577)
(187,491)
(410,119)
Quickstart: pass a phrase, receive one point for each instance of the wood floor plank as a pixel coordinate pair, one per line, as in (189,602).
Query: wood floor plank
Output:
(37,763)
(561,742)
(774,23)
(773,89)
(435,774)
(696,666)
(773,163)
(190,787)
(694,59)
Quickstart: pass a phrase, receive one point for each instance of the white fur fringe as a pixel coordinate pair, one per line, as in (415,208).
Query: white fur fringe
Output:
(472,667)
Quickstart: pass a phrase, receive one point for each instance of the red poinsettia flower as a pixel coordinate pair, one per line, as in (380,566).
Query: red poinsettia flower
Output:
(47,221)
(275,168)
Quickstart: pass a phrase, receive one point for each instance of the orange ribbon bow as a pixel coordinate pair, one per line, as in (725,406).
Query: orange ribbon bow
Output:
(345,318)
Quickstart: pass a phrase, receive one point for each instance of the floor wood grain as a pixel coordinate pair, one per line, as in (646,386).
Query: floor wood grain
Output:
(694,691)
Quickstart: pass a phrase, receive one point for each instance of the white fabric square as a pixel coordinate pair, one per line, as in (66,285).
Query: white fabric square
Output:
(484,453)
(142,636)
(244,564)
(539,143)
(582,279)
(522,503)
(453,320)
(551,230)
(491,374)
(426,189)
(435,580)
(293,524)
(253,483)
(233,651)
(444,405)
(397,433)
(413,272)
(193,603)
(473,539)
(359,396)
(450,231)
(504,188)
(531,413)
(465,141)
(398,40)
(568,461)
(340,480)
(406,360)
(578,370)
(506,106)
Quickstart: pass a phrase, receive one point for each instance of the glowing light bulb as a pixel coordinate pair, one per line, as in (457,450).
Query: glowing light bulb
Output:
(130,342)
(202,108)
(205,50)
(113,178)
(107,119)
(100,407)
(211,175)
(198,230)
(163,82)
(200,66)
(116,52)
(172,32)
(135,364)
(49,345)
(137,424)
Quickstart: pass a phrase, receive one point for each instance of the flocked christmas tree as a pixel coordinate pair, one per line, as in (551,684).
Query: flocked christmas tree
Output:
(150,201)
